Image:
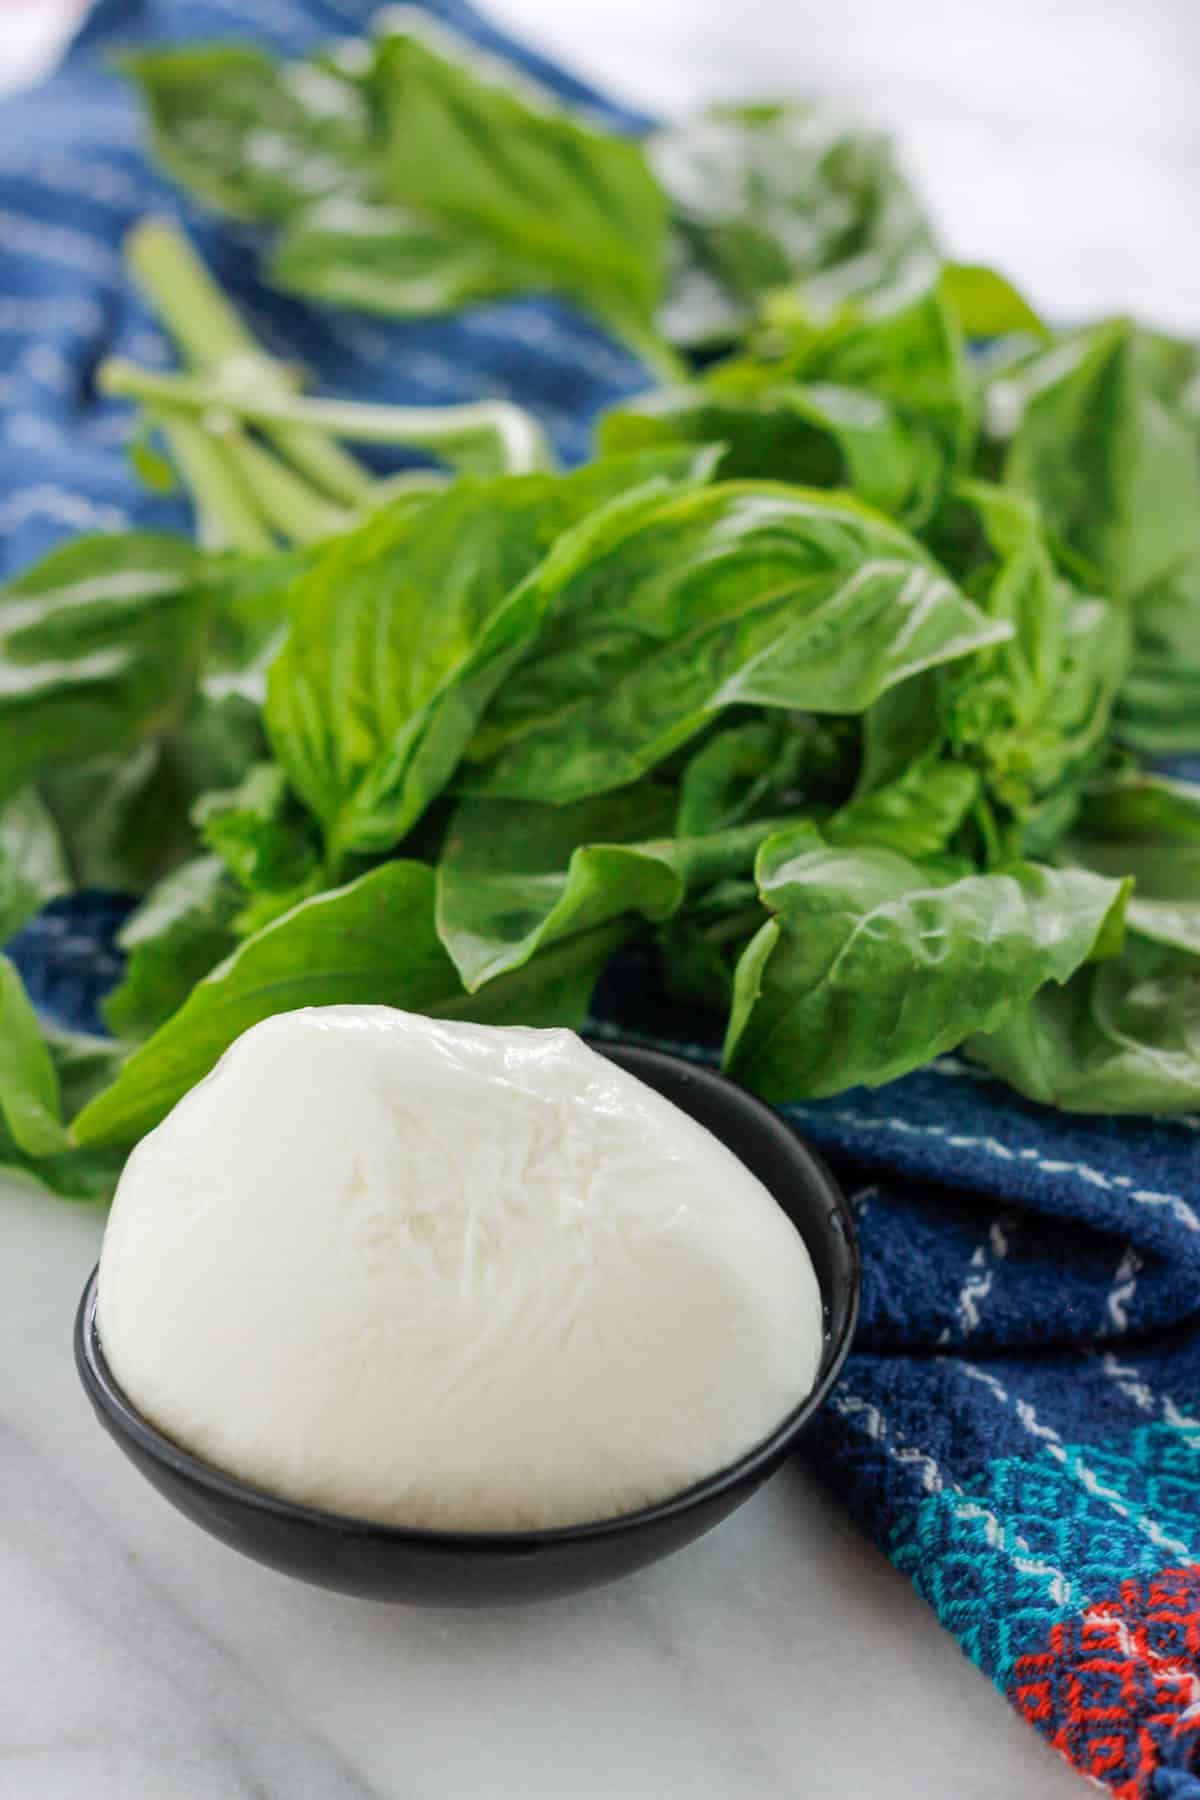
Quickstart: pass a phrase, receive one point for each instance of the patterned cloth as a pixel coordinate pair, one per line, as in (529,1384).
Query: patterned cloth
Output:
(1019,1426)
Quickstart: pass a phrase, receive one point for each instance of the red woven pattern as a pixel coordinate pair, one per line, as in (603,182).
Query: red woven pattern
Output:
(1118,1689)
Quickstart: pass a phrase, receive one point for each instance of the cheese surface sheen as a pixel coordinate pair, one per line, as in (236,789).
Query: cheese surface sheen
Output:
(457,1276)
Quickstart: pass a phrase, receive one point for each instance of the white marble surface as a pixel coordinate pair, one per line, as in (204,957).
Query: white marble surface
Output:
(139,1660)
(781,1656)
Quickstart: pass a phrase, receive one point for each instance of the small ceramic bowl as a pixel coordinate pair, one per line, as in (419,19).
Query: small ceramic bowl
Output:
(454,1568)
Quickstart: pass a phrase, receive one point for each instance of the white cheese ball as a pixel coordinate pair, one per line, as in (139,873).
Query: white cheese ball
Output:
(450,1275)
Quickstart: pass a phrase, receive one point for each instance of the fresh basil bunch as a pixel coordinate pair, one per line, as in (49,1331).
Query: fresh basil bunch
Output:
(832,680)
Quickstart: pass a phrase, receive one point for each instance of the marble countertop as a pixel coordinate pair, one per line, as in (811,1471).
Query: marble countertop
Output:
(780,1656)
(140,1660)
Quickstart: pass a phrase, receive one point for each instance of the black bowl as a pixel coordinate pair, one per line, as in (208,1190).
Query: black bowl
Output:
(454,1568)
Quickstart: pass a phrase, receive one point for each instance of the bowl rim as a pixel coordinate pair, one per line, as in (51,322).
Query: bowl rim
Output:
(126,1422)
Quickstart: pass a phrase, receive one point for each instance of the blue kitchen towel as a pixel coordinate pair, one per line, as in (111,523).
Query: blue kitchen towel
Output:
(1019,1426)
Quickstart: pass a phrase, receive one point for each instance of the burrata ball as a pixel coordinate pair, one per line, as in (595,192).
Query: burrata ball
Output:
(449,1275)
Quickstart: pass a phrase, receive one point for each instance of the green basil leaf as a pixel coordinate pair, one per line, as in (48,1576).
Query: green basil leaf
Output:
(1033,713)
(99,646)
(818,435)
(773,764)
(124,819)
(1158,711)
(1122,1037)
(987,304)
(1158,708)
(248,598)
(414,176)
(515,876)
(33,868)
(765,196)
(254,137)
(904,347)
(258,831)
(89,1176)
(80,1065)
(372,941)
(300,144)
(377,691)
(1147,827)
(181,930)
(1113,466)
(731,773)
(874,396)
(358,251)
(1010,566)
(266,841)
(564,205)
(85,1063)
(902,727)
(758,435)
(916,814)
(30,1101)
(700,948)
(873,964)
(681,605)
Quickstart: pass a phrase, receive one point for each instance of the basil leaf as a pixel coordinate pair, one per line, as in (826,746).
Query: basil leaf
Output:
(1147,827)
(99,645)
(1158,708)
(772,764)
(874,396)
(371,941)
(32,866)
(178,933)
(1032,713)
(1104,439)
(681,605)
(88,1176)
(764,196)
(301,145)
(699,949)
(902,345)
(564,205)
(872,964)
(902,727)
(84,1063)
(916,814)
(376,692)
(249,135)
(258,831)
(30,1101)
(413,177)
(759,435)
(266,841)
(1113,466)
(80,1065)
(987,305)
(816,436)
(248,598)
(1123,1037)
(515,876)
(124,819)
(355,250)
